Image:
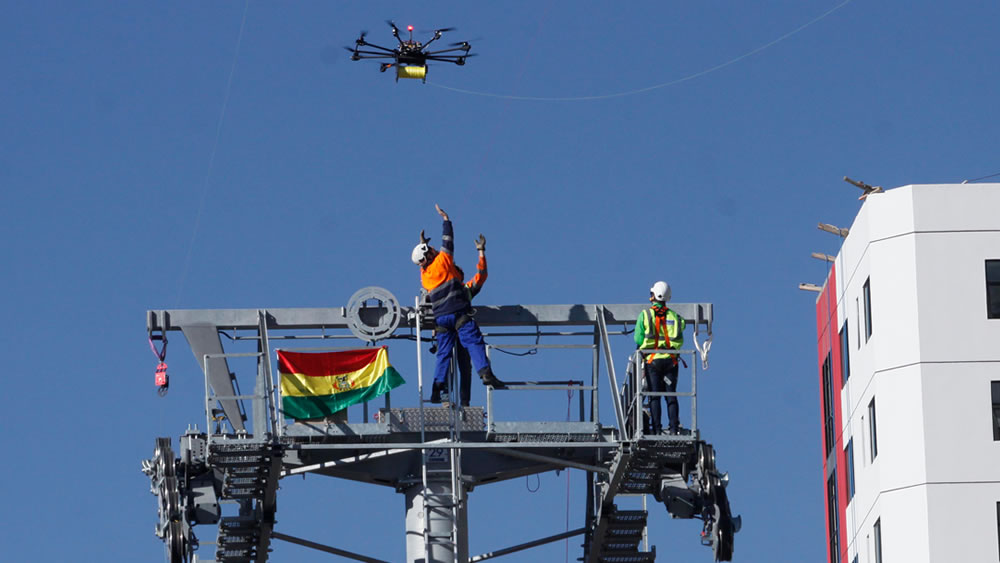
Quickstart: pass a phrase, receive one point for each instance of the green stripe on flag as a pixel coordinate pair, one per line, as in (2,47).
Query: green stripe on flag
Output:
(318,406)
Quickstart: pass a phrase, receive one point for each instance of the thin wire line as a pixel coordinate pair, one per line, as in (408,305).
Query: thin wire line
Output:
(656,86)
(978,179)
(211,158)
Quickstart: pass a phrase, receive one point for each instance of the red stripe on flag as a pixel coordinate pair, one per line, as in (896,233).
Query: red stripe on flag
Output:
(323,364)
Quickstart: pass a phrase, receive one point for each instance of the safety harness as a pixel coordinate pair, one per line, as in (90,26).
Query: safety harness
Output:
(659,325)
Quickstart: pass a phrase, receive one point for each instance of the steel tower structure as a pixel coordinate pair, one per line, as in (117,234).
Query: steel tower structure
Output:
(433,455)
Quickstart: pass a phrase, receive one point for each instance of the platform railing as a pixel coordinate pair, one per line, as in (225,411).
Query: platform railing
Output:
(602,335)
(635,395)
(259,401)
(572,385)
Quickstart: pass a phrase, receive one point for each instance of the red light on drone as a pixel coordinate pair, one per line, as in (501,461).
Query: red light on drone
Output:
(409,28)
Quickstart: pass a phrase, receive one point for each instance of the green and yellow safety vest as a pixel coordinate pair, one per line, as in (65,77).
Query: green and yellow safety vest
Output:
(663,330)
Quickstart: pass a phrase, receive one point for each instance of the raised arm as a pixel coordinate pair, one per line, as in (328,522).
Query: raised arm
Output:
(447,234)
(476,284)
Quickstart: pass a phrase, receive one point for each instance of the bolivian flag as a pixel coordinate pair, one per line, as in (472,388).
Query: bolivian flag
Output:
(314,385)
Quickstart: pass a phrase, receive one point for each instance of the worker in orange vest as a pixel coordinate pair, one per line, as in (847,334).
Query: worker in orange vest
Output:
(475,285)
(450,305)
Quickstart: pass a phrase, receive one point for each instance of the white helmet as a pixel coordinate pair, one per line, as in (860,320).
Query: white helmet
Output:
(660,291)
(419,252)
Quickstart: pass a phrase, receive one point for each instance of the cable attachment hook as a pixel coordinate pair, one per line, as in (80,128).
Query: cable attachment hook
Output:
(703,348)
(161,379)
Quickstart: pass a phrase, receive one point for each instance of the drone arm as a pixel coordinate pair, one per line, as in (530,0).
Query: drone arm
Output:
(367,44)
(447,51)
(375,53)
(374,56)
(433,39)
(447,58)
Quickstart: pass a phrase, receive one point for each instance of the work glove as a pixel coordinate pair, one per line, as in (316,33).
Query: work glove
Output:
(481,243)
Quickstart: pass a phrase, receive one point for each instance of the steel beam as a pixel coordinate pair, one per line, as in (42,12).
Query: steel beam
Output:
(526,545)
(204,340)
(486,316)
(325,548)
(556,461)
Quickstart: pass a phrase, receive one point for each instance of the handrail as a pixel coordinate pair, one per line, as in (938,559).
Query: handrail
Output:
(570,385)
(267,392)
(603,329)
(210,394)
(272,390)
(637,372)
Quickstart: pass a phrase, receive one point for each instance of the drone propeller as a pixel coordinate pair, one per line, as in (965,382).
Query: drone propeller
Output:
(445,29)
(463,44)
(354,53)
(361,39)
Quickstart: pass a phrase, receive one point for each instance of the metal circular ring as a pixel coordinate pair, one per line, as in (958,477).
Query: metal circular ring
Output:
(360,316)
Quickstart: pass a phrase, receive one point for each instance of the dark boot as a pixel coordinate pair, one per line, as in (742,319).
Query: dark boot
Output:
(486,374)
(436,392)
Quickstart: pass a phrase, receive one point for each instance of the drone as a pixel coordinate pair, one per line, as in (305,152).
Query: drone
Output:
(410,57)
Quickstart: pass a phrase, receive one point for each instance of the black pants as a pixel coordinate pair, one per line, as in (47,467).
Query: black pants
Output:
(465,370)
(661,375)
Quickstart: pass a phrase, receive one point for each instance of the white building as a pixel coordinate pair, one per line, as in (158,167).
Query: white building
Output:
(909,365)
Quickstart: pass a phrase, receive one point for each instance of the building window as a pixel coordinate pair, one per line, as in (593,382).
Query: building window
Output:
(833,518)
(878,540)
(993,289)
(872,431)
(857,309)
(864,458)
(849,468)
(828,421)
(867,293)
(845,362)
(995,392)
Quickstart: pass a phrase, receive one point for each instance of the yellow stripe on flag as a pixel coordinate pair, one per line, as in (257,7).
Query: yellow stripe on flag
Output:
(302,385)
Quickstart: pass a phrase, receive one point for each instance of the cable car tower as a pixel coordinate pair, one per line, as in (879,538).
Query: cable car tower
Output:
(434,455)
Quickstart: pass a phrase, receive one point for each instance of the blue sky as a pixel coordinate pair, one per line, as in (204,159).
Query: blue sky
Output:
(143,169)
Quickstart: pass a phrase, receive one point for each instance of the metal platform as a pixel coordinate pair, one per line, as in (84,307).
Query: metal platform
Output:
(434,455)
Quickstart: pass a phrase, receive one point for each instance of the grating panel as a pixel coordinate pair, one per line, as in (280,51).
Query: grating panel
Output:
(438,419)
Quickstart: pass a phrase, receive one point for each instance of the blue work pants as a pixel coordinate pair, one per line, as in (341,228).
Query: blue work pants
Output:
(470,337)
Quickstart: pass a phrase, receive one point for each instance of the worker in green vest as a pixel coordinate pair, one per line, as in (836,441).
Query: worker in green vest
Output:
(657,328)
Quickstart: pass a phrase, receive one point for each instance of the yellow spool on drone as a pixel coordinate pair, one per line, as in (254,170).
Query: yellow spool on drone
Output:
(411,72)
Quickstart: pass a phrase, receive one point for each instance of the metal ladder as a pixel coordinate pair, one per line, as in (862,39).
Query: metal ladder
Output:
(617,533)
(443,507)
(247,467)
(438,506)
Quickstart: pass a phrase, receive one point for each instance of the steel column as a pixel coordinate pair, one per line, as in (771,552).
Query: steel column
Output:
(439,520)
